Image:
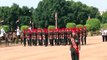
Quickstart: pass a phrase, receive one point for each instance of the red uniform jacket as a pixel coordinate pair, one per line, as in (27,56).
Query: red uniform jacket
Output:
(29,33)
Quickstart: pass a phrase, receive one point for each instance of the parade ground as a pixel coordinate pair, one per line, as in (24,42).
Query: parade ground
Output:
(94,50)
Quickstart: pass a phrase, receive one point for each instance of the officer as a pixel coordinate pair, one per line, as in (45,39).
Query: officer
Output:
(75,45)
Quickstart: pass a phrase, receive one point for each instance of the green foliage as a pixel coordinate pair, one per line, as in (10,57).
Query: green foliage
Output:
(51,27)
(79,26)
(94,23)
(66,10)
(10,15)
(24,27)
(88,27)
(44,14)
(104,17)
(70,25)
(5,27)
(104,26)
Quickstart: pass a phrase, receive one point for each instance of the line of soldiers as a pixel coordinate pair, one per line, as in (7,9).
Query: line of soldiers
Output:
(52,36)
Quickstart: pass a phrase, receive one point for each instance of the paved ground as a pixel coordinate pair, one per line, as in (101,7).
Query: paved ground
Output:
(94,50)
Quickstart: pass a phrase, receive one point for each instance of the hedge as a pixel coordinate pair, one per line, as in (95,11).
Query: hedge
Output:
(24,27)
(79,26)
(70,25)
(51,27)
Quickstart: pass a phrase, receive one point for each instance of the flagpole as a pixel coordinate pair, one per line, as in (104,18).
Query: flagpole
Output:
(56,20)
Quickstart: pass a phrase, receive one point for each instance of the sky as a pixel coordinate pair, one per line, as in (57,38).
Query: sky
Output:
(100,4)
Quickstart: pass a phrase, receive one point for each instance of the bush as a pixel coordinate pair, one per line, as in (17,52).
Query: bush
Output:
(94,23)
(88,27)
(104,26)
(24,27)
(79,26)
(51,27)
(70,25)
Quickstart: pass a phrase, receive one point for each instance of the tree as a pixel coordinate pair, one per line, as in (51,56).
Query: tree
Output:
(94,23)
(68,11)
(104,17)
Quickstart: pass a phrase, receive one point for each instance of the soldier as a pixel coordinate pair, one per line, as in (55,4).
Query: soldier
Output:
(56,36)
(81,36)
(59,36)
(24,37)
(84,34)
(69,34)
(34,37)
(65,36)
(40,39)
(75,45)
(45,37)
(51,37)
(29,37)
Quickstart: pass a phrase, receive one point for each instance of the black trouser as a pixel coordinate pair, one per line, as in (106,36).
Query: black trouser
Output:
(24,41)
(74,55)
(103,38)
(56,42)
(30,42)
(62,41)
(46,42)
(84,39)
(34,42)
(69,41)
(106,38)
(51,42)
(40,42)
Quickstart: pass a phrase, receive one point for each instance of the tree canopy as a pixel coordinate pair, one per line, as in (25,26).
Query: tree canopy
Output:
(44,14)
(68,11)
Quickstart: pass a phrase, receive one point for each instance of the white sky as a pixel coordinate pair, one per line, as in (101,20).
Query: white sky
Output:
(100,4)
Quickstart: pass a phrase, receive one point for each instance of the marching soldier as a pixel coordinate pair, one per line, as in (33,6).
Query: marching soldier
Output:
(24,37)
(69,34)
(34,37)
(65,36)
(39,34)
(51,37)
(56,37)
(29,37)
(75,46)
(59,37)
(45,37)
(81,36)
